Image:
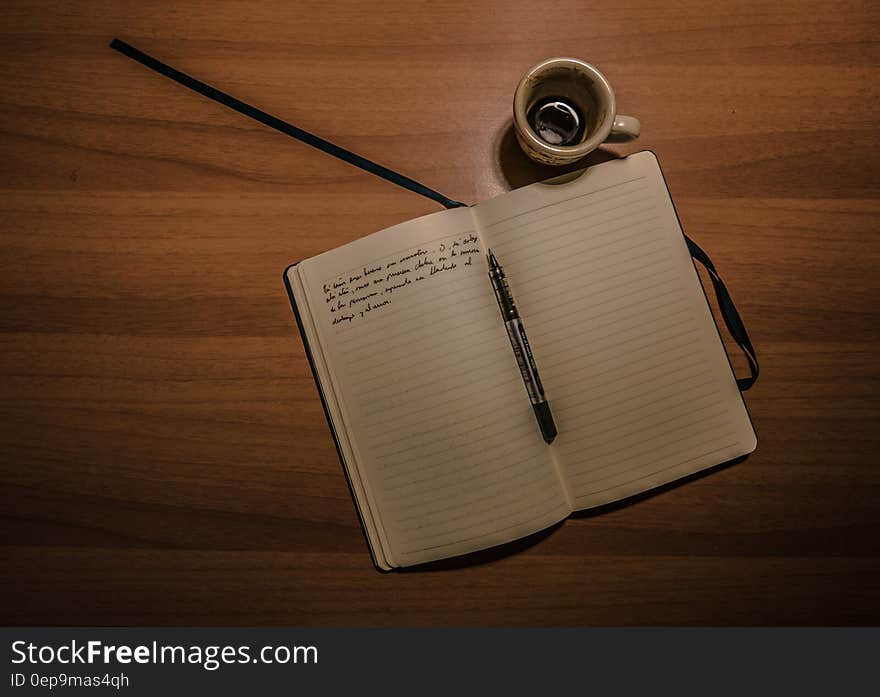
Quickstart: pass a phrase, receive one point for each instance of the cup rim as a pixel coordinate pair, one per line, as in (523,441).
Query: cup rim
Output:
(567,151)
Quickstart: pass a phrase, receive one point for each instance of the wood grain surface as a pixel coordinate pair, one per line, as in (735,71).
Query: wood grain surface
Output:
(165,459)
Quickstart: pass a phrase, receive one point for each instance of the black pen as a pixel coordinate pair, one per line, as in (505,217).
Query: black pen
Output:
(521,349)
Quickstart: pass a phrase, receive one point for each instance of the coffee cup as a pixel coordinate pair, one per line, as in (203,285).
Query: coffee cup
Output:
(564,109)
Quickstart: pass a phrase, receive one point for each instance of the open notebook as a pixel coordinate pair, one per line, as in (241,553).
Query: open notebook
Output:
(424,395)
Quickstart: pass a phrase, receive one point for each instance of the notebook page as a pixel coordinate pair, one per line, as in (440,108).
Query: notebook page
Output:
(331,404)
(439,423)
(634,369)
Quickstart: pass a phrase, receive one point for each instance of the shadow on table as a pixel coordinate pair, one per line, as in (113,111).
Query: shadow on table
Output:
(484,556)
(518,170)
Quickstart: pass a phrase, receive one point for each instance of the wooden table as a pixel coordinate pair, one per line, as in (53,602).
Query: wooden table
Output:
(165,459)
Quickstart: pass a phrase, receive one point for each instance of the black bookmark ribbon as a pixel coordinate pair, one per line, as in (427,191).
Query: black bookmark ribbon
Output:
(731,316)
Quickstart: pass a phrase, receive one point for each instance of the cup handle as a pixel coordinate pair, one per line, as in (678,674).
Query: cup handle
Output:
(624,128)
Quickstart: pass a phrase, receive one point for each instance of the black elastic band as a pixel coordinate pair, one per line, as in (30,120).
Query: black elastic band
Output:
(725,302)
(282,126)
(729,313)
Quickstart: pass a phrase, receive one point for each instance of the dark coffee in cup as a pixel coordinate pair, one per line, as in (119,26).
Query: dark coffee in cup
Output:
(557,121)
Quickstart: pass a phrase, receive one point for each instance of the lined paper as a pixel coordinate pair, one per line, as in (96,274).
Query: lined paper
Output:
(635,373)
(442,432)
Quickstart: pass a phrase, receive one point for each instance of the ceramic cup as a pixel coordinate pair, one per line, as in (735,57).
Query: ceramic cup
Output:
(564,108)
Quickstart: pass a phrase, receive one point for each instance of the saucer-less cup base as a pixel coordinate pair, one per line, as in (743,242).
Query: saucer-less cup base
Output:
(587,90)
